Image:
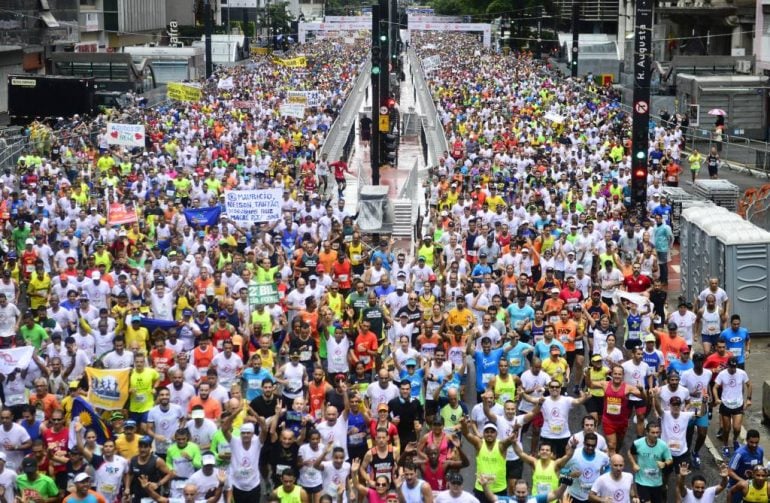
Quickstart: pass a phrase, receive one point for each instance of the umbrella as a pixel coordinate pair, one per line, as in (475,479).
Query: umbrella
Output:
(717,111)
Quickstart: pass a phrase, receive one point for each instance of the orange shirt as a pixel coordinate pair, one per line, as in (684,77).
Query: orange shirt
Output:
(50,403)
(565,333)
(211,407)
(670,347)
(551,308)
(365,342)
(317,395)
(327,259)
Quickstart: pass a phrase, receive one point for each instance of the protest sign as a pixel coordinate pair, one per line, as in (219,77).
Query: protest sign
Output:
(119,214)
(263,293)
(128,135)
(244,207)
(15,358)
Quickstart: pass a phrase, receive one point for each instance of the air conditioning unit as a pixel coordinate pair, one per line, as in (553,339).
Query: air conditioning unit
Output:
(743,66)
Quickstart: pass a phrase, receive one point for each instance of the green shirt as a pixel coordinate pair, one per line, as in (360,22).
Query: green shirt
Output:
(182,466)
(647,458)
(220,445)
(34,336)
(19,236)
(43,486)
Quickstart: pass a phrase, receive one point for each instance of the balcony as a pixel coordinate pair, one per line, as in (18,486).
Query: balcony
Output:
(91,20)
(590,10)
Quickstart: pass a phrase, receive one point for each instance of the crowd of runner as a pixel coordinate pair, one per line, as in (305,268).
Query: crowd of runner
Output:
(533,302)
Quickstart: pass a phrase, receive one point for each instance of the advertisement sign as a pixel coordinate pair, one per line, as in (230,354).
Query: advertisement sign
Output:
(263,293)
(183,92)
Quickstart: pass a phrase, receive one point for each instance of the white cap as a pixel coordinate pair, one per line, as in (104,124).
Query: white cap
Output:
(247,428)
(96,275)
(208,460)
(197,414)
(400,285)
(210,290)
(2,456)
(201,308)
(29,241)
(82,476)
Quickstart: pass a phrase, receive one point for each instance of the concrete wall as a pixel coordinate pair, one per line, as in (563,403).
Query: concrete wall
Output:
(10,63)
(181,11)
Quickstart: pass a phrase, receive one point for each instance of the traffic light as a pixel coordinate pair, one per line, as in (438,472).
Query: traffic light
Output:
(389,148)
(376,51)
(383,32)
(639,177)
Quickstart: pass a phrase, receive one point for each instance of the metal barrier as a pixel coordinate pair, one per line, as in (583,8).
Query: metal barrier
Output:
(435,138)
(409,189)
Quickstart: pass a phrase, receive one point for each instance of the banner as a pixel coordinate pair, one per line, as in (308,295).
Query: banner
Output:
(183,92)
(15,358)
(226,83)
(203,217)
(244,207)
(250,105)
(129,135)
(263,293)
(120,213)
(293,110)
(260,50)
(306,98)
(298,62)
(107,388)
(431,63)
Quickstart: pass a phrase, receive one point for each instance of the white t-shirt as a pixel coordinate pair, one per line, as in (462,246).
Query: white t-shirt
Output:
(309,476)
(446,497)
(227,368)
(201,436)
(686,324)
(334,477)
(617,490)
(377,395)
(732,387)
(8,480)
(205,484)
(601,443)
(709,496)
(165,423)
(336,433)
(674,431)
(244,464)
(108,477)
(16,436)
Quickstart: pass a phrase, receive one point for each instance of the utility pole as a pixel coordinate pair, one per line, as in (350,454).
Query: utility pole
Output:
(384,52)
(374,144)
(207,27)
(640,139)
(575,36)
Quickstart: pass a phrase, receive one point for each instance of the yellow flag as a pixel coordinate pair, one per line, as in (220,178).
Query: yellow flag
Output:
(107,388)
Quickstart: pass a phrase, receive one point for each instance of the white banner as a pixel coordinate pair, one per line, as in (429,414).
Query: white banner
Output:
(293,110)
(15,358)
(128,135)
(431,63)
(245,207)
(226,84)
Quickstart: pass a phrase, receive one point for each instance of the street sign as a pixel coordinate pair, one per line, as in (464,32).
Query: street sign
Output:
(263,293)
(641,107)
(384,124)
(383,110)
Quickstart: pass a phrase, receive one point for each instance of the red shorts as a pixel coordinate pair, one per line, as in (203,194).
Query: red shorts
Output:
(538,421)
(614,427)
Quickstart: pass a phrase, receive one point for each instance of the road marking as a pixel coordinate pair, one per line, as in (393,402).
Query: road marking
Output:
(677,269)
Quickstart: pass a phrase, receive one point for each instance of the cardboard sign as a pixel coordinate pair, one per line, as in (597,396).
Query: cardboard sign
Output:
(128,135)
(245,207)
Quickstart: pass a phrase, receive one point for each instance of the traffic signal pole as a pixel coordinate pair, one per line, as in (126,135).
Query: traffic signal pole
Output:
(640,134)
(575,36)
(374,144)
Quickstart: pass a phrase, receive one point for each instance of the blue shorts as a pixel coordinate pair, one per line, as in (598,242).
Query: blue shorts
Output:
(702,421)
(139,417)
(710,338)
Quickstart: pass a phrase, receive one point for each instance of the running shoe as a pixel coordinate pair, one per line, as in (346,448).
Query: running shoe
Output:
(725,452)
(696,461)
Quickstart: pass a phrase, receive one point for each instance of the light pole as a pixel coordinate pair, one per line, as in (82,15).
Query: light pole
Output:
(207,33)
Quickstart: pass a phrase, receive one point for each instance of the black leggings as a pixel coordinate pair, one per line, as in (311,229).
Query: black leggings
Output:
(240,496)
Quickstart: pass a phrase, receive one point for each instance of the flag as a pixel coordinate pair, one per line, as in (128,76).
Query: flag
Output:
(151,324)
(15,358)
(84,412)
(203,217)
(107,388)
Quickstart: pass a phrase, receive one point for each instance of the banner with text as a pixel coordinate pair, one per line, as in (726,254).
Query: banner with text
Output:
(108,388)
(293,110)
(183,92)
(298,62)
(244,207)
(128,135)
(119,214)
(305,98)
(263,293)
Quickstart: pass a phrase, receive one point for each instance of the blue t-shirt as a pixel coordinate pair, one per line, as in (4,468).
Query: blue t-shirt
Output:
(520,315)
(486,367)
(253,381)
(736,342)
(515,358)
(416,380)
(543,349)
(744,460)
(680,366)
(647,458)
(452,381)
(480,270)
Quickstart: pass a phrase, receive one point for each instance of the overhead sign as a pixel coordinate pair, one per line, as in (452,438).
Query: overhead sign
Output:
(244,207)
(183,92)
(263,293)
(127,135)
(293,110)
(384,125)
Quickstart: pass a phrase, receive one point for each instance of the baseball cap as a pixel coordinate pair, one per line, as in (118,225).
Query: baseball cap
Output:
(596,358)
(29,241)
(197,414)
(201,308)
(210,291)
(411,362)
(117,415)
(673,326)
(675,400)
(95,275)
(208,460)
(490,426)
(29,465)
(733,361)
(130,424)
(146,439)
(382,406)
(649,338)
(555,348)
(456,477)
(187,312)
(82,477)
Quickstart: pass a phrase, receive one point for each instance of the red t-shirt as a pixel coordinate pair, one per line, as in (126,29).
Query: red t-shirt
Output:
(637,284)
(56,441)
(342,272)
(716,363)
(365,342)
(162,361)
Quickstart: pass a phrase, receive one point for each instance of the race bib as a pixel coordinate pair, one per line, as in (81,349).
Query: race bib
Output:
(515,362)
(557,428)
(342,277)
(737,352)
(613,409)
(651,472)
(255,384)
(140,397)
(305,355)
(543,488)
(579,344)
(295,384)
(674,446)
(106,488)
